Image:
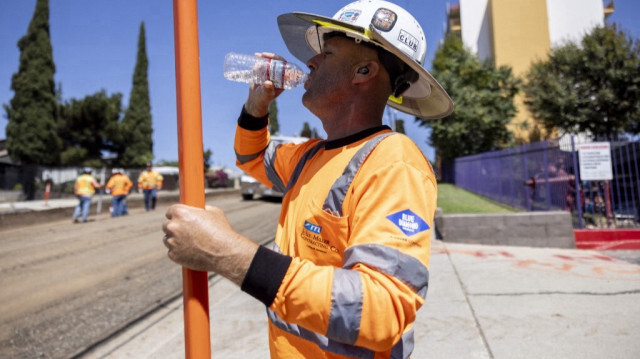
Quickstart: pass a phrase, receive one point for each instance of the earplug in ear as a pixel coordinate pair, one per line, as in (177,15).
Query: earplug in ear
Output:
(401,85)
(363,70)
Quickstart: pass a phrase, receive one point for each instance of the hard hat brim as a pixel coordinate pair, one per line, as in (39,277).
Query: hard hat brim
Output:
(435,104)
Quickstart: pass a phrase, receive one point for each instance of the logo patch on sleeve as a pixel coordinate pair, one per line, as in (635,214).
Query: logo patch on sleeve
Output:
(408,222)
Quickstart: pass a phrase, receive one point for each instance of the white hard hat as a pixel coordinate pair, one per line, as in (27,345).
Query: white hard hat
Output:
(383,24)
(116,170)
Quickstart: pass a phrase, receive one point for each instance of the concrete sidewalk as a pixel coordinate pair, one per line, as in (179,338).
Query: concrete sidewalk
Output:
(483,302)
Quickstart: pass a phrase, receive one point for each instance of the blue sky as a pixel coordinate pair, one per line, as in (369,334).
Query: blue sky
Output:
(95,43)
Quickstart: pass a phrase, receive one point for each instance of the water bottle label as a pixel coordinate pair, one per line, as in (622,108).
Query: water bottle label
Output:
(276,72)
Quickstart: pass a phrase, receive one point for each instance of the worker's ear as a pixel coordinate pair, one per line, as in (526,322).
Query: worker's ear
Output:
(364,71)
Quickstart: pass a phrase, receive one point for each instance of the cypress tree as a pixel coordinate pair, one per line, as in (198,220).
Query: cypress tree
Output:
(306,130)
(32,130)
(137,146)
(274,126)
(399,126)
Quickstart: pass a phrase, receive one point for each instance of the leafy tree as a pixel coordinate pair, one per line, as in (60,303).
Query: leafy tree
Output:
(217,179)
(31,131)
(88,127)
(207,159)
(137,144)
(535,135)
(592,86)
(168,163)
(274,126)
(206,156)
(483,97)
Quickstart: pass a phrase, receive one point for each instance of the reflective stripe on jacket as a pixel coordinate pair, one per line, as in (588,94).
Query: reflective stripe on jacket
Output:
(119,184)
(84,185)
(150,180)
(356,219)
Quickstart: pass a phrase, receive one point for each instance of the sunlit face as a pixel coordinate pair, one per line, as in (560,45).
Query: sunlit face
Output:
(331,73)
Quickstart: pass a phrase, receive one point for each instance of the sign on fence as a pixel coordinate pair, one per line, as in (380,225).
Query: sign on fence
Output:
(595,161)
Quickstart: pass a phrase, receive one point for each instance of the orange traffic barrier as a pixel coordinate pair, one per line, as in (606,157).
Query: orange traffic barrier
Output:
(195,284)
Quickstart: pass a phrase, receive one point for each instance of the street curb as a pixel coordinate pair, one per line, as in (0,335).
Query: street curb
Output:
(529,229)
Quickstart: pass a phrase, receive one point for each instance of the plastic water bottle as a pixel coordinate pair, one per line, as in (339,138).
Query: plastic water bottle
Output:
(256,69)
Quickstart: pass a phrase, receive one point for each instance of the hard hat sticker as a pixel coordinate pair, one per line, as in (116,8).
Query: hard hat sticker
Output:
(350,16)
(384,19)
(407,39)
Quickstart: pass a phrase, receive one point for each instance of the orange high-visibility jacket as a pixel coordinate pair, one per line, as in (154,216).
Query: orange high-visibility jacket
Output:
(349,268)
(84,185)
(119,184)
(150,180)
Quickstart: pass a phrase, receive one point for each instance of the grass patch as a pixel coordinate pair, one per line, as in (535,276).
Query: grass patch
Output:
(453,199)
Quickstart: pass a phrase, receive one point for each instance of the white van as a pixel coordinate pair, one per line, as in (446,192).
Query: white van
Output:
(250,187)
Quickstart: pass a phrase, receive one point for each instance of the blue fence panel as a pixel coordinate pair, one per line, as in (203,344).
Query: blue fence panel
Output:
(545,176)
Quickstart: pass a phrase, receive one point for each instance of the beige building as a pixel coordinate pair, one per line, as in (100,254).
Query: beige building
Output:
(519,32)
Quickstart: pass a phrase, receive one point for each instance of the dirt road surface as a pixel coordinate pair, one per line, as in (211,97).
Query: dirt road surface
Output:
(67,286)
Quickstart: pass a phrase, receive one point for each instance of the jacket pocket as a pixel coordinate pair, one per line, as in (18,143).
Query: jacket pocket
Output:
(324,235)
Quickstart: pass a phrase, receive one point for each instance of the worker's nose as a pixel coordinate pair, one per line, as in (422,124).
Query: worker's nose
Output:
(313,62)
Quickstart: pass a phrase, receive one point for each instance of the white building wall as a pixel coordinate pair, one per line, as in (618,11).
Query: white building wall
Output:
(476,27)
(570,20)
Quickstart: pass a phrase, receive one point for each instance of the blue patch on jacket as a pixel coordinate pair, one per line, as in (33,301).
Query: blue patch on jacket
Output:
(408,222)
(312,227)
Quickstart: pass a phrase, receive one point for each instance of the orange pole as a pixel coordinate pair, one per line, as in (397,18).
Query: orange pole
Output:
(195,284)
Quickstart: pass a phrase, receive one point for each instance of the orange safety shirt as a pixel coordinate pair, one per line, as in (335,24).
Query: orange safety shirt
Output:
(150,180)
(84,185)
(349,268)
(119,184)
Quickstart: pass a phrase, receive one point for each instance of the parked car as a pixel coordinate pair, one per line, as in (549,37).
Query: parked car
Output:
(251,188)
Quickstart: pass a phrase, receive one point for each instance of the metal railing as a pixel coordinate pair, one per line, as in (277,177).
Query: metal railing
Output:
(546,176)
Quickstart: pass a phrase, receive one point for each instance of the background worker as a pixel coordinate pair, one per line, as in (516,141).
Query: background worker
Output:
(150,182)
(119,186)
(349,269)
(84,188)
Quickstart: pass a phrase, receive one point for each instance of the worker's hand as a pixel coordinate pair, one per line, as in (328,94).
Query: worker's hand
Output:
(261,95)
(204,240)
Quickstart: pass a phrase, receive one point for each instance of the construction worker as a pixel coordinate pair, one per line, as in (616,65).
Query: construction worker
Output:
(118,186)
(84,188)
(349,268)
(150,182)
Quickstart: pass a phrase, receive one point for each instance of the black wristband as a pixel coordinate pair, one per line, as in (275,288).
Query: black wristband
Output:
(265,275)
(248,122)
